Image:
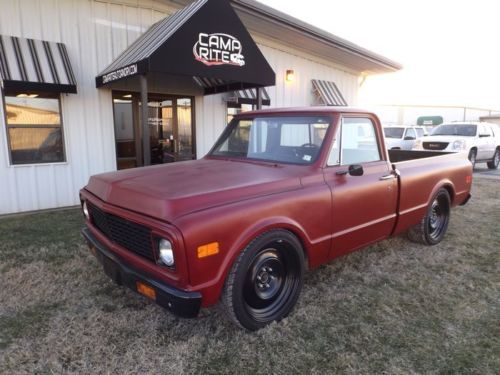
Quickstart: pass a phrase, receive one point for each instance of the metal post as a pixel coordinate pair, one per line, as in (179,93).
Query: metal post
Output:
(146,147)
(259,98)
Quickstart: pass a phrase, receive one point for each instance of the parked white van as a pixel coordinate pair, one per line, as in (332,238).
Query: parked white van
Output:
(480,139)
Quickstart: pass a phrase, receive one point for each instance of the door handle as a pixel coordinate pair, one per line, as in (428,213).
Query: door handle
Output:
(387,177)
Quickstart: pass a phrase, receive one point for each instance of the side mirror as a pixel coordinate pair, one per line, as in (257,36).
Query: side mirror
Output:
(356,170)
(409,138)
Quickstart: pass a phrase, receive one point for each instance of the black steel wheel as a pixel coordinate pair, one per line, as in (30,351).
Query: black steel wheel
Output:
(265,281)
(493,164)
(472,157)
(433,226)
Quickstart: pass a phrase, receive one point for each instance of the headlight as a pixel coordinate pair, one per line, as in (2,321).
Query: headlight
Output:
(85,210)
(166,253)
(417,145)
(458,145)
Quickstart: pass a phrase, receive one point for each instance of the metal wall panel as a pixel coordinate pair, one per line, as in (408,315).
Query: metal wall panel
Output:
(95,32)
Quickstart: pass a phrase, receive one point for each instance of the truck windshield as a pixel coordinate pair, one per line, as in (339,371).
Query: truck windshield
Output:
(393,132)
(456,129)
(294,139)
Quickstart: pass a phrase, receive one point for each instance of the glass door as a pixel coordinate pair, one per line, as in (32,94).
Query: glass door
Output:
(185,143)
(125,131)
(171,129)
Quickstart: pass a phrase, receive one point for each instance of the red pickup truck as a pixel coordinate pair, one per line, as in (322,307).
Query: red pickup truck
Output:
(282,191)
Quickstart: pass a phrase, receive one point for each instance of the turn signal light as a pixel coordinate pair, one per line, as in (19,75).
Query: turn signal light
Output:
(145,290)
(468,179)
(208,249)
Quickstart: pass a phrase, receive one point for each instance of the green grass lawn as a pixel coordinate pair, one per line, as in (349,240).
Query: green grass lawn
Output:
(395,307)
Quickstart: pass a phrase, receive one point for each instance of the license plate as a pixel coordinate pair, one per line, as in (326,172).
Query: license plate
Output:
(92,250)
(111,269)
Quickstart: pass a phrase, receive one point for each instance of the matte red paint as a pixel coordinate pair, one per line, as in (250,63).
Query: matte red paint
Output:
(231,202)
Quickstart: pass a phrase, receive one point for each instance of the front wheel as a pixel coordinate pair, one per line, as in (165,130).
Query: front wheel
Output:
(472,157)
(493,164)
(265,281)
(433,226)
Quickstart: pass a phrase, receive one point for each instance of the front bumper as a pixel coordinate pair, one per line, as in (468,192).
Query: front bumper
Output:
(179,302)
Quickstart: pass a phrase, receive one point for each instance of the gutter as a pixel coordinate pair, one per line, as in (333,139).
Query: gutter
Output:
(278,17)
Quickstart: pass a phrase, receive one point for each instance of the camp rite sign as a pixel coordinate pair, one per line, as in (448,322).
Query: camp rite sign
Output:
(218,49)
(120,73)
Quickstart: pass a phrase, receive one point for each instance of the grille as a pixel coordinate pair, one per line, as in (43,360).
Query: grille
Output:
(435,145)
(129,235)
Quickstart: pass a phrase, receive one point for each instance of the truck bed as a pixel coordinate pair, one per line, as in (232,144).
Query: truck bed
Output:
(420,172)
(396,156)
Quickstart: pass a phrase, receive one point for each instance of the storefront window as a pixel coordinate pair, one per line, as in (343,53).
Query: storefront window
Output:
(34,128)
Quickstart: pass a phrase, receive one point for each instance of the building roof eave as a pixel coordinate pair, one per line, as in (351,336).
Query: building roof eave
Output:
(367,61)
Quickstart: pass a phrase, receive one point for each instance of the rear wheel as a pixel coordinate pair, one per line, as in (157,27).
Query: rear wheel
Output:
(493,164)
(433,226)
(473,156)
(265,281)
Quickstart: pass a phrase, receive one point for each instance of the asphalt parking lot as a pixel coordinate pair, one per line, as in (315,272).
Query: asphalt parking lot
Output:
(481,170)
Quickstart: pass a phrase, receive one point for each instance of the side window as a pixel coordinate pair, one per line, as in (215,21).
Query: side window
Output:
(358,141)
(334,157)
(484,131)
(420,132)
(410,132)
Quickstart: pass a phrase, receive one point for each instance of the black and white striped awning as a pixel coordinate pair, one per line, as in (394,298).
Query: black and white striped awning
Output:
(328,93)
(249,96)
(35,65)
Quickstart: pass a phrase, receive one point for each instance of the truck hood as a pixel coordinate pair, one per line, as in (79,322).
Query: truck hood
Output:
(169,191)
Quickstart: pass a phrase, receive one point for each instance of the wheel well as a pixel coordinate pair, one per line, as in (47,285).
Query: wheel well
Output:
(451,192)
(302,244)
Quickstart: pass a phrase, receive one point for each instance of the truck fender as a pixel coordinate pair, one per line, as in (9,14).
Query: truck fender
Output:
(448,185)
(243,240)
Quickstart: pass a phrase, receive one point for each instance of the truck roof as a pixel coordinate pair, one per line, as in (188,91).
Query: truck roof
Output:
(306,110)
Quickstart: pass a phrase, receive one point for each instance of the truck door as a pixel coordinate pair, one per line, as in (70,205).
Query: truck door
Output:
(364,206)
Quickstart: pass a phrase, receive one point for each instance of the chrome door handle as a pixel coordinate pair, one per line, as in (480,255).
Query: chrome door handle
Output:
(387,177)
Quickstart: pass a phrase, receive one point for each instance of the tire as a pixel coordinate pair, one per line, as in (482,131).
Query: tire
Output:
(493,164)
(432,228)
(472,156)
(265,281)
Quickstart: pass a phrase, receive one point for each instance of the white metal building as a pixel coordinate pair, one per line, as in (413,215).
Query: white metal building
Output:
(58,127)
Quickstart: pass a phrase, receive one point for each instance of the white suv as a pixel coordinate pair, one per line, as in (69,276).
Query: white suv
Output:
(402,137)
(480,139)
